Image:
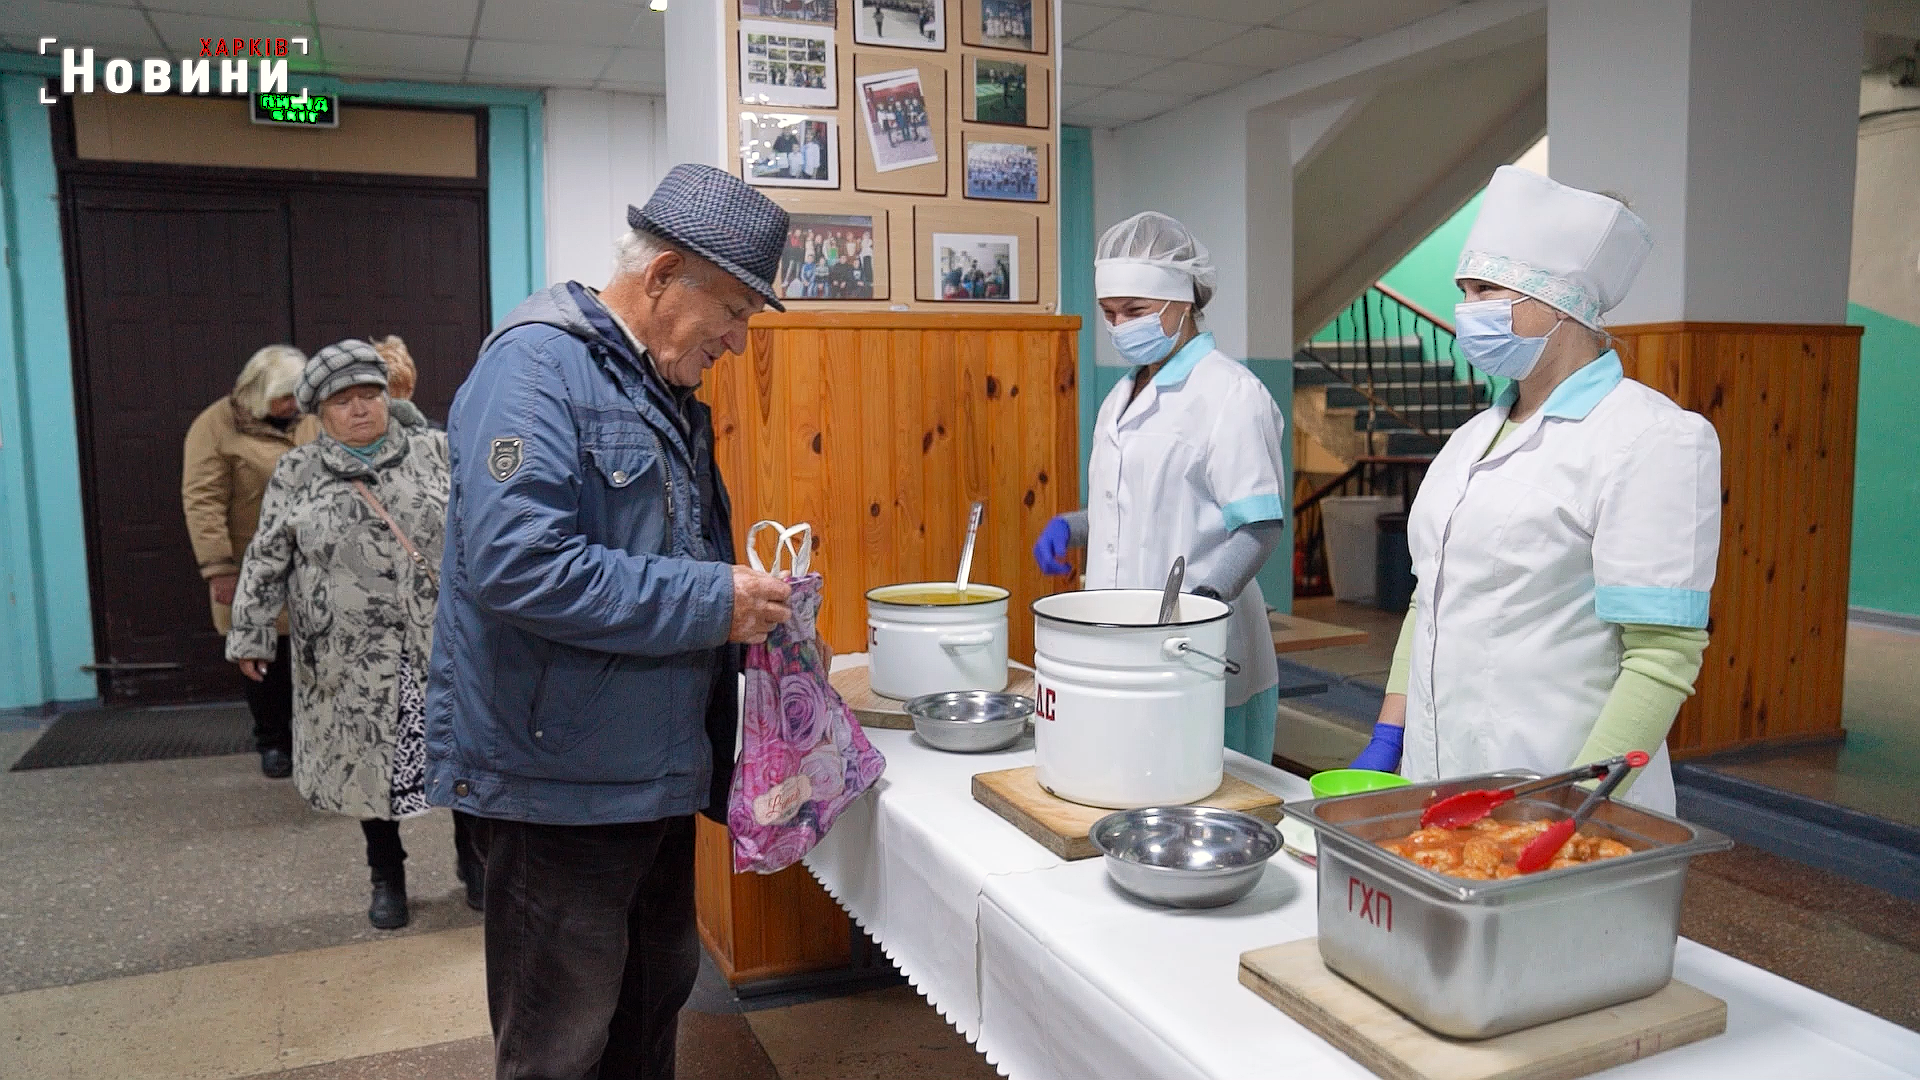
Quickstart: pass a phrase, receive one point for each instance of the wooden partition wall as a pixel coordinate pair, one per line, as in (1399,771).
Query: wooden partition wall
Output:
(880,429)
(1784,401)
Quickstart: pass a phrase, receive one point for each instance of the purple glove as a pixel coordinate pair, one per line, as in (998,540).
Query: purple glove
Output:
(1383,753)
(1050,552)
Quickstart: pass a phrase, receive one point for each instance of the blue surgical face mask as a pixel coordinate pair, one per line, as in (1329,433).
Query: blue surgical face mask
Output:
(1484,331)
(1143,340)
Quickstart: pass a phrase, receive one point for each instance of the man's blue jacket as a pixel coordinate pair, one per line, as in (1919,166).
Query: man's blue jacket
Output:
(580,668)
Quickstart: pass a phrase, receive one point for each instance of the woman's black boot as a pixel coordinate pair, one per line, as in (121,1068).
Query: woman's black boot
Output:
(388,911)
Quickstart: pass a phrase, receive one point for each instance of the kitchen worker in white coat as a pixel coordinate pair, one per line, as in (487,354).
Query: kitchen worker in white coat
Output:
(1565,538)
(1186,460)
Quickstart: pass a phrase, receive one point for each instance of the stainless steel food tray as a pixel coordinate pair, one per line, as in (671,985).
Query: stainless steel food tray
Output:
(1474,959)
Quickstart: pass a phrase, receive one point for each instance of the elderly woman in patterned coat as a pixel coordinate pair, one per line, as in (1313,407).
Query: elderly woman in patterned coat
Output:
(349,541)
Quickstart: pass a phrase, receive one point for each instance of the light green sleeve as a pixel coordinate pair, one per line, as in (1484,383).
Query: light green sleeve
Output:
(1403,655)
(1657,669)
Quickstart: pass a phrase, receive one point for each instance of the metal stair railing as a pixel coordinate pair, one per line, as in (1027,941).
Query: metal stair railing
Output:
(1402,360)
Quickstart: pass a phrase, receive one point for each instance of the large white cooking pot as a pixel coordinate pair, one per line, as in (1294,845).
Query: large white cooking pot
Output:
(916,647)
(1129,713)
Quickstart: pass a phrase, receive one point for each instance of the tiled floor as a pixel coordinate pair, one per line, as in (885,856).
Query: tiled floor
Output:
(191,918)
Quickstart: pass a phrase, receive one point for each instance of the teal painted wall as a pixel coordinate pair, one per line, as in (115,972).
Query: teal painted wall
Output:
(1425,276)
(1077,240)
(1076,278)
(1886,486)
(46,630)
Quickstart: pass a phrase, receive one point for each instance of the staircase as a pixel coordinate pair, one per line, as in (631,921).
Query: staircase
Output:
(1376,394)
(1393,368)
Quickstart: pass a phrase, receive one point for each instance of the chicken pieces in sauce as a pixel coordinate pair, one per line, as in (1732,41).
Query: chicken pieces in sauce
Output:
(1489,849)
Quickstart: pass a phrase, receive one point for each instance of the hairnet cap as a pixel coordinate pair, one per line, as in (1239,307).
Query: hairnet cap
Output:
(1577,251)
(1153,256)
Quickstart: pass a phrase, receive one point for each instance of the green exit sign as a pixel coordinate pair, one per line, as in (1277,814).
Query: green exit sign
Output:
(289,110)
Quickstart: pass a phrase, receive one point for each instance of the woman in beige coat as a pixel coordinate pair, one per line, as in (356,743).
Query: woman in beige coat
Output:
(231,451)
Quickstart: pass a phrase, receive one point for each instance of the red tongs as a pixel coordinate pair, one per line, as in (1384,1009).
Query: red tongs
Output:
(1463,809)
(1537,854)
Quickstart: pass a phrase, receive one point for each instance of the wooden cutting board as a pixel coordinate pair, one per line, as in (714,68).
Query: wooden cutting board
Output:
(872,710)
(1062,827)
(1293,977)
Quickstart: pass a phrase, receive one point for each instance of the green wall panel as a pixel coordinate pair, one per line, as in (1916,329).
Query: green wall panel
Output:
(1886,485)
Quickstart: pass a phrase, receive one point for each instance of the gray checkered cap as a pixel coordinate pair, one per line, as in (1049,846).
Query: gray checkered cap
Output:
(342,364)
(712,213)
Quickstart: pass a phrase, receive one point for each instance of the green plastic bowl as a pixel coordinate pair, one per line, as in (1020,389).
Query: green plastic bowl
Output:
(1334,782)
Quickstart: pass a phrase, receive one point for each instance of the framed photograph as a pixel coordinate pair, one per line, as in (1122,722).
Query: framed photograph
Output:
(1014,25)
(1013,171)
(821,12)
(900,24)
(1000,91)
(789,150)
(1007,24)
(834,257)
(893,108)
(787,64)
(976,266)
(1012,93)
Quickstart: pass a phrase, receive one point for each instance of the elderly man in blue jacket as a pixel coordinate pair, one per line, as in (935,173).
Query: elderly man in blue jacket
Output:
(582,699)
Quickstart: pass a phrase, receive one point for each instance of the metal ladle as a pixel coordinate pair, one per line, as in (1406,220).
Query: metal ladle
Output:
(966,552)
(1170,608)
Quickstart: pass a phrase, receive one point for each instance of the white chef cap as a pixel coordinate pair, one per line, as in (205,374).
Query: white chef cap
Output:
(1153,256)
(1574,250)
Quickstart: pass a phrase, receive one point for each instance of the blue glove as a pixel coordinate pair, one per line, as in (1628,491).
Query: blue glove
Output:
(1050,552)
(1383,753)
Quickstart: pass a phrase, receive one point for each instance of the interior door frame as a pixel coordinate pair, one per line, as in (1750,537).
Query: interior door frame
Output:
(148,179)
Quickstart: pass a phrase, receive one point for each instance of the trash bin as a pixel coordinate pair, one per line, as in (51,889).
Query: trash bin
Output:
(1350,524)
(1393,567)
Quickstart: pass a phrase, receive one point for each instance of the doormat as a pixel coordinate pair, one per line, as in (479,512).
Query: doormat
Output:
(112,736)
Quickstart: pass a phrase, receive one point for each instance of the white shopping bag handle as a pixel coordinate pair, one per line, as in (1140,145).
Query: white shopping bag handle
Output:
(795,542)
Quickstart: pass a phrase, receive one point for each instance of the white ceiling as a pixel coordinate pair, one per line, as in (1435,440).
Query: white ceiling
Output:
(1124,60)
(1128,60)
(580,44)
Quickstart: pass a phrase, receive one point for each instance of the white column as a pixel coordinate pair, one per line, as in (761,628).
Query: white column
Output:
(696,82)
(1730,126)
(603,154)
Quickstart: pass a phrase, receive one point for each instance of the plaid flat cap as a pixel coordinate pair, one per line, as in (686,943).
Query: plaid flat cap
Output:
(712,213)
(342,364)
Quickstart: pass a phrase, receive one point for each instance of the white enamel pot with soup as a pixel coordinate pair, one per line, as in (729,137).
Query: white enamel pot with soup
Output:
(1129,712)
(930,638)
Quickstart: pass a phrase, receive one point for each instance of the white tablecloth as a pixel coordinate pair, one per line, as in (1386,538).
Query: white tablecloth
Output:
(1057,975)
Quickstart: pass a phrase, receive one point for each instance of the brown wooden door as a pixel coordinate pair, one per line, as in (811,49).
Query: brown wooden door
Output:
(174,287)
(410,263)
(176,292)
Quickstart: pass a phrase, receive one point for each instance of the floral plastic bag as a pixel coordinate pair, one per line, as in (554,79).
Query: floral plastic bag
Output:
(803,757)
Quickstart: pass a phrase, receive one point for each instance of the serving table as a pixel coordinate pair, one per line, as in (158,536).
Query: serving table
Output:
(1052,972)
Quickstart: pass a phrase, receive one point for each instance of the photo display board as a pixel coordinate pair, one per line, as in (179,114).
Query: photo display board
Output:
(914,142)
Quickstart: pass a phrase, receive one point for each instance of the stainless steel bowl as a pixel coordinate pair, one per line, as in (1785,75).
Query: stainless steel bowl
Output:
(970,721)
(1185,856)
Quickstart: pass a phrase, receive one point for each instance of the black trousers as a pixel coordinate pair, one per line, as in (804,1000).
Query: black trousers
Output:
(591,947)
(271,702)
(386,854)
